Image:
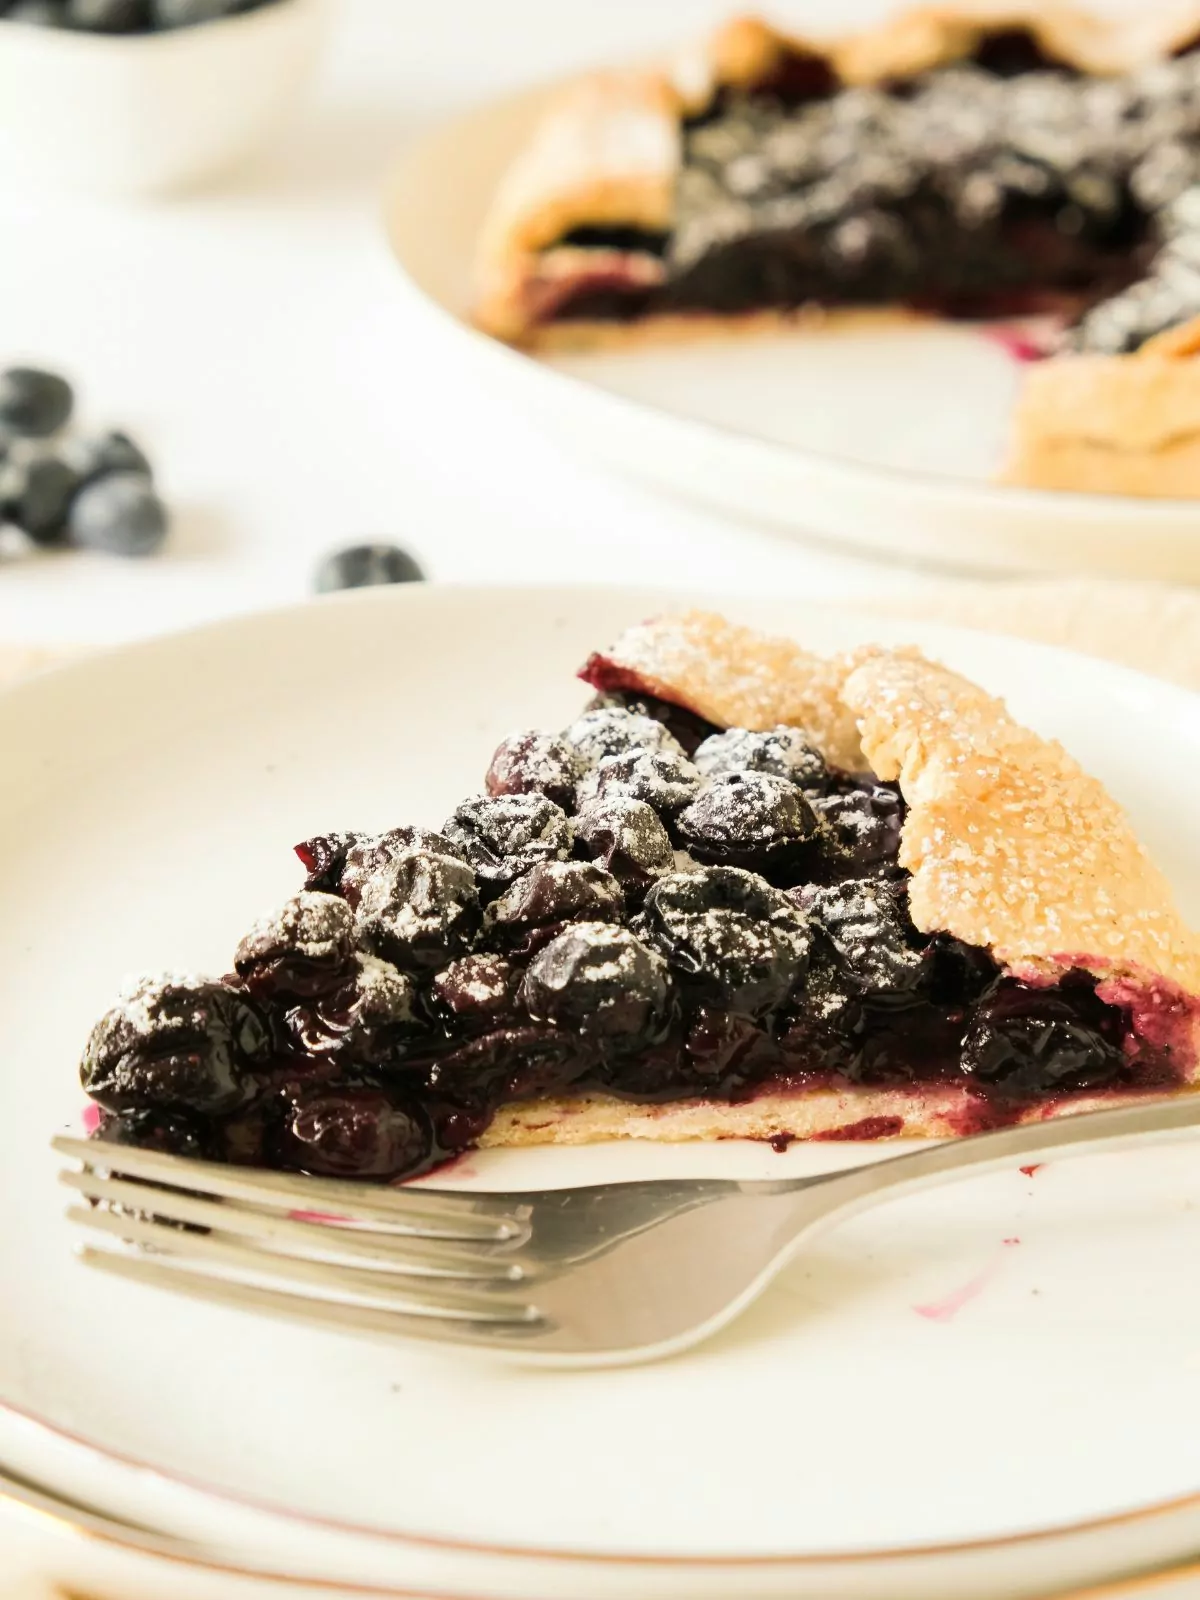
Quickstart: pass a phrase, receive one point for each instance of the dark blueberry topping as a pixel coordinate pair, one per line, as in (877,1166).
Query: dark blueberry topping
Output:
(750,819)
(175,1044)
(536,763)
(354,1133)
(477,989)
(119,513)
(418,910)
(866,923)
(611,730)
(369,1017)
(730,933)
(34,403)
(324,858)
(369,854)
(36,493)
(549,894)
(301,951)
(783,752)
(687,728)
(503,836)
(864,824)
(663,779)
(627,838)
(171,1133)
(1025,1042)
(599,979)
(365,566)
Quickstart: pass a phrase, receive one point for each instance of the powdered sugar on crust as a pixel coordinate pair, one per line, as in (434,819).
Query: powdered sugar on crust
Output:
(1011,845)
(736,678)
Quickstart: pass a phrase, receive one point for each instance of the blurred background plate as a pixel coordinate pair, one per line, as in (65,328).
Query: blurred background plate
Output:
(920,1407)
(883,436)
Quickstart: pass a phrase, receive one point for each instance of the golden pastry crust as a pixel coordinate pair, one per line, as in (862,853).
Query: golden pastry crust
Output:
(1113,424)
(608,152)
(735,677)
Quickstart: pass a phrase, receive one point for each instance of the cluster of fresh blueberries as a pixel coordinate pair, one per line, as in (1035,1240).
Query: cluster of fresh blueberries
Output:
(124,16)
(645,906)
(93,491)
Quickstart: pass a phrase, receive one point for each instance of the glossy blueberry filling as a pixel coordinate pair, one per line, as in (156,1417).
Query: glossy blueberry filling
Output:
(643,906)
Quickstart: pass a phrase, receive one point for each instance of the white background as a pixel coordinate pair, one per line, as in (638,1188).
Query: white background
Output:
(252,337)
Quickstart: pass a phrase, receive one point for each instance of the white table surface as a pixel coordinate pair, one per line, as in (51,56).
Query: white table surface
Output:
(252,337)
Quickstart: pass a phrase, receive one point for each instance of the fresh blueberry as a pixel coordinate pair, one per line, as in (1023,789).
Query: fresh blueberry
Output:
(363,566)
(96,455)
(600,980)
(38,491)
(120,514)
(32,402)
(108,16)
(730,934)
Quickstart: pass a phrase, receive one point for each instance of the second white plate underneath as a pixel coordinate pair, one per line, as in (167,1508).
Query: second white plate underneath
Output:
(885,436)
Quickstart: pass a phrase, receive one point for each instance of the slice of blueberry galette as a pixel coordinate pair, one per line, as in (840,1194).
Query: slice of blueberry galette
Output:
(963,162)
(748,892)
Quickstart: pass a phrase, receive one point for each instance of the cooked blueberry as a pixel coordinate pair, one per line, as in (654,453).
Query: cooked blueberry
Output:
(171,1133)
(688,728)
(663,779)
(364,566)
(599,979)
(369,1017)
(611,731)
(504,835)
(783,752)
(33,402)
(551,893)
(108,16)
(867,925)
(730,934)
(96,455)
(324,858)
(536,763)
(354,1133)
(864,824)
(36,492)
(750,819)
(1025,1041)
(627,838)
(418,910)
(371,853)
(300,951)
(120,514)
(174,1044)
(477,989)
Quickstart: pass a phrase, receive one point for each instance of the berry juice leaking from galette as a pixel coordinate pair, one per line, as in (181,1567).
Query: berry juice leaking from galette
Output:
(748,892)
(991,161)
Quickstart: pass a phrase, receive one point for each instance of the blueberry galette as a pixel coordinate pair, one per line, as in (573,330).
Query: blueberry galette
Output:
(960,163)
(748,892)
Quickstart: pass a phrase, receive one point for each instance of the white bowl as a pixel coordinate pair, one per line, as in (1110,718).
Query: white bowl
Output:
(146,113)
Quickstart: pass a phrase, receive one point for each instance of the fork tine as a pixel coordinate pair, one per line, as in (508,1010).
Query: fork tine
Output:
(378,1287)
(441,1215)
(335,1316)
(399,1252)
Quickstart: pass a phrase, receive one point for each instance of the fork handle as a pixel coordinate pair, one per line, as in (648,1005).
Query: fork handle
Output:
(1124,1127)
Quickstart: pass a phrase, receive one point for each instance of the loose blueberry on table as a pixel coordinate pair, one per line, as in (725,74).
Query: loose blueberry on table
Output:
(646,907)
(93,491)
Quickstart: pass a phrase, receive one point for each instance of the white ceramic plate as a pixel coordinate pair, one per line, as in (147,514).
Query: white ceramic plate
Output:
(918,1384)
(884,438)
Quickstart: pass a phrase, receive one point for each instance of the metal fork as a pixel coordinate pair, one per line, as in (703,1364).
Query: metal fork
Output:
(589,1276)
